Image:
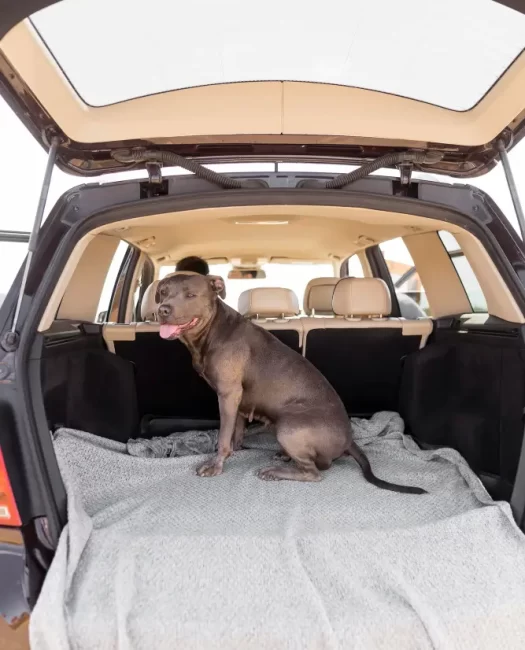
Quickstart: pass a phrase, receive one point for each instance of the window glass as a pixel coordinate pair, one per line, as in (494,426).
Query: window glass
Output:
(109,283)
(230,41)
(465,272)
(288,276)
(355,268)
(405,277)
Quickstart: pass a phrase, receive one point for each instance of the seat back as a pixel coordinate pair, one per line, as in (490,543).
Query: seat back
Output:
(361,350)
(274,309)
(318,295)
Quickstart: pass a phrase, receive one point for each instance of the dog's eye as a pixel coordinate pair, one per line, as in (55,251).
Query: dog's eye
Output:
(190,295)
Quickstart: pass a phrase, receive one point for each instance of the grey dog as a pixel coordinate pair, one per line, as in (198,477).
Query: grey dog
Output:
(257,376)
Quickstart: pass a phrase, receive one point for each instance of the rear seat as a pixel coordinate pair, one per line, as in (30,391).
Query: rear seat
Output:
(361,350)
(274,309)
(318,296)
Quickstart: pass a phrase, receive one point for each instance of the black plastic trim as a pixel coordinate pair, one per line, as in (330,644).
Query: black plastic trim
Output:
(379,269)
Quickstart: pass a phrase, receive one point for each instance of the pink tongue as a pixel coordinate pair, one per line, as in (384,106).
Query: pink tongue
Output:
(167,331)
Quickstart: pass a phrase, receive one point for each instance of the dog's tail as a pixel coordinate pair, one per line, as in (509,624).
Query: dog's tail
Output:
(364,463)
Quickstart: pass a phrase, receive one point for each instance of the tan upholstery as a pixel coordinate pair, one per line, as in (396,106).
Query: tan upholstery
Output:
(148,307)
(268,302)
(365,303)
(361,297)
(270,308)
(318,296)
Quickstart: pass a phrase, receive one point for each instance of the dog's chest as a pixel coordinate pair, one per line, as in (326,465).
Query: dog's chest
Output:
(200,368)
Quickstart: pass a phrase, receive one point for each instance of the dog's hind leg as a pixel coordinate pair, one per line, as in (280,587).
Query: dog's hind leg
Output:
(294,442)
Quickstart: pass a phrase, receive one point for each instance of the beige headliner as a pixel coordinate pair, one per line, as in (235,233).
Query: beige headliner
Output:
(320,111)
(313,232)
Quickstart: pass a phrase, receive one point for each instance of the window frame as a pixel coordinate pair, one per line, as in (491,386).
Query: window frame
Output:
(454,254)
(379,267)
(123,287)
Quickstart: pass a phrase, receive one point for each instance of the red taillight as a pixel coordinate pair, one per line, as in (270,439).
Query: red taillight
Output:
(8,511)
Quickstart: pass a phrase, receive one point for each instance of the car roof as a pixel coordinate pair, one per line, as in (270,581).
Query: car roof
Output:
(214,80)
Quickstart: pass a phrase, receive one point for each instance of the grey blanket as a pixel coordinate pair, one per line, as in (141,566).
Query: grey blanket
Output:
(155,557)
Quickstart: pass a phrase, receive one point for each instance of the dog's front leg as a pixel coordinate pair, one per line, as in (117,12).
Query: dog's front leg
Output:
(228,407)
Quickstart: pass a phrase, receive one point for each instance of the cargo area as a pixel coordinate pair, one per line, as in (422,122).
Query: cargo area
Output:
(464,389)
(156,555)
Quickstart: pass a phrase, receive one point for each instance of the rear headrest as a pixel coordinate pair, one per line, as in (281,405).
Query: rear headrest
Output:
(268,302)
(318,296)
(361,297)
(148,307)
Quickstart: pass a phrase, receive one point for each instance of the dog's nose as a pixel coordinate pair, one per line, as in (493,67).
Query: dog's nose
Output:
(164,311)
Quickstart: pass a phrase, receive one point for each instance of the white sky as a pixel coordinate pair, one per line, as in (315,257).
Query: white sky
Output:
(22,166)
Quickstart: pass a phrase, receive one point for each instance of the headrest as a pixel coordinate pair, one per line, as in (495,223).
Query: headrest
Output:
(268,302)
(361,297)
(148,307)
(318,296)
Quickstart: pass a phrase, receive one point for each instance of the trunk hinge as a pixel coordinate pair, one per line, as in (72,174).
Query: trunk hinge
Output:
(11,338)
(155,185)
(154,170)
(512,186)
(405,174)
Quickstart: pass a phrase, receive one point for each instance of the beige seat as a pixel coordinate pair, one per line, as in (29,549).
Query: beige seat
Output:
(365,303)
(318,297)
(361,350)
(148,307)
(275,309)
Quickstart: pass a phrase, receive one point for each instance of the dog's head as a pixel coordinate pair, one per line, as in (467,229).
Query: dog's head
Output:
(187,301)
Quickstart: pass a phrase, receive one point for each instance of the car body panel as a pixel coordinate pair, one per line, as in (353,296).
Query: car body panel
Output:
(14,609)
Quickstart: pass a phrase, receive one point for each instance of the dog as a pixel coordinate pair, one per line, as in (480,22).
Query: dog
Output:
(257,376)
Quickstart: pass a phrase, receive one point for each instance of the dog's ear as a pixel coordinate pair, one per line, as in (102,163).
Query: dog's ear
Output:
(217,284)
(157,292)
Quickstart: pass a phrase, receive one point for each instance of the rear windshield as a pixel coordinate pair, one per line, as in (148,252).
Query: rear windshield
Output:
(444,52)
(288,276)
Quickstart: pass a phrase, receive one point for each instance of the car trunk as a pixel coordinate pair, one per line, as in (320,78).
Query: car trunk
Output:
(463,389)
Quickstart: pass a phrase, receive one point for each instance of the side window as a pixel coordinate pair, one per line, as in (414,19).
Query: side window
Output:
(110,296)
(406,280)
(465,273)
(355,268)
(145,278)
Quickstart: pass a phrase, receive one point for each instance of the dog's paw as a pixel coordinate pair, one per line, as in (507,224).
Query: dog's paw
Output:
(280,455)
(269,474)
(209,468)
